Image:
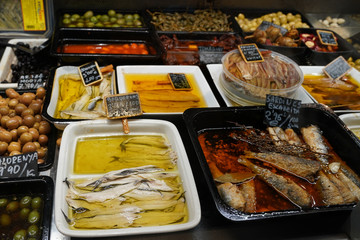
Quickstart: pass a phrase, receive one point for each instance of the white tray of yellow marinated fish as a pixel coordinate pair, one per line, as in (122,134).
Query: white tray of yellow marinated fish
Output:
(156,93)
(113,184)
(70,100)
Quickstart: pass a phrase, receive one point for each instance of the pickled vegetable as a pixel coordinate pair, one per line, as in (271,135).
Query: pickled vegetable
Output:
(287,21)
(111,19)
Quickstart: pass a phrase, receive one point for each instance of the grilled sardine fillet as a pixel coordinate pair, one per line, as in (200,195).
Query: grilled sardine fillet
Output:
(288,188)
(312,136)
(330,193)
(232,196)
(350,184)
(292,137)
(248,190)
(300,167)
(277,134)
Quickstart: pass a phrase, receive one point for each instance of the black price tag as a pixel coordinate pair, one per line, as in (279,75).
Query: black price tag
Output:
(32,81)
(90,73)
(22,165)
(123,105)
(337,68)
(327,37)
(282,112)
(250,53)
(265,25)
(179,81)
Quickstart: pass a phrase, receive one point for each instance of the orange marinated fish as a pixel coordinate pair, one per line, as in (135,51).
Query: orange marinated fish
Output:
(285,186)
(300,167)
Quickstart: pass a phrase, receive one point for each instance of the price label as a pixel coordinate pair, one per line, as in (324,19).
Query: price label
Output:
(265,25)
(250,53)
(327,37)
(90,73)
(337,68)
(210,54)
(282,112)
(123,105)
(32,81)
(179,81)
(22,165)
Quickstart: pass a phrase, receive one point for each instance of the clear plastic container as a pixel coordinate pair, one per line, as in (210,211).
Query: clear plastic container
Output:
(254,87)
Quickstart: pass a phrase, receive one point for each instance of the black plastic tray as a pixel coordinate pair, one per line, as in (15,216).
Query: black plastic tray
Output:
(204,57)
(198,119)
(143,19)
(255,13)
(323,58)
(233,24)
(97,36)
(50,156)
(38,185)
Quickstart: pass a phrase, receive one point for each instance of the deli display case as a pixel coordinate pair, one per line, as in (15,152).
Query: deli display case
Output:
(148,176)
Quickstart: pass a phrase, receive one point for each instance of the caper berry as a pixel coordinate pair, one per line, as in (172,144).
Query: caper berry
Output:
(34,217)
(20,235)
(36,202)
(33,230)
(25,202)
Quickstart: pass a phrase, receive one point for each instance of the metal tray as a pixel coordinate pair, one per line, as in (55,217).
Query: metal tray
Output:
(348,148)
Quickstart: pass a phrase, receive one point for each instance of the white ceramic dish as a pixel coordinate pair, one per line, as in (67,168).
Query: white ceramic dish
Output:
(319,70)
(112,128)
(9,58)
(215,72)
(352,120)
(50,110)
(195,70)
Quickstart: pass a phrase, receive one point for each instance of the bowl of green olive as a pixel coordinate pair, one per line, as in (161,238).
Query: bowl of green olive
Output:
(118,19)
(26,208)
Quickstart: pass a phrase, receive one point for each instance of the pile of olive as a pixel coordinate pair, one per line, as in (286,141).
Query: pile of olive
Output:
(287,21)
(111,19)
(28,65)
(22,127)
(21,217)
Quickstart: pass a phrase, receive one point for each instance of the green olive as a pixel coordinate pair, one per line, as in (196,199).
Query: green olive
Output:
(115,25)
(36,202)
(80,24)
(20,235)
(5,220)
(129,17)
(93,19)
(25,202)
(136,16)
(34,217)
(119,15)
(66,15)
(111,13)
(137,22)
(121,21)
(129,23)
(75,16)
(12,206)
(99,24)
(3,202)
(33,230)
(104,18)
(90,24)
(24,213)
(88,14)
(66,21)
(113,19)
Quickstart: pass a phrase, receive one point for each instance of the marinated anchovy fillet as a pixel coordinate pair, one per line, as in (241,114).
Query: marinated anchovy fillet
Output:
(285,186)
(300,167)
(131,197)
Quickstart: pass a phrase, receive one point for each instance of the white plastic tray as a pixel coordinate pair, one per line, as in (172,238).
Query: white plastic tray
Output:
(9,58)
(319,70)
(215,72)
(112,128)
(195,70)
